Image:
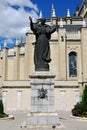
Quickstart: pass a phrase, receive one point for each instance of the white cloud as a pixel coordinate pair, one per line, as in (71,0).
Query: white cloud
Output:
(13,23)
(20,3)
(9,41)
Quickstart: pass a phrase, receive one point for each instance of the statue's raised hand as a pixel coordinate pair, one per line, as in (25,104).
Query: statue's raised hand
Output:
(30,18)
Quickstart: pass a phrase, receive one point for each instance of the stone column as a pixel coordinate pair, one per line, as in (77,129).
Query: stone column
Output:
(16,69)
(5,51)
(29,54)
(62,54)
(1,66)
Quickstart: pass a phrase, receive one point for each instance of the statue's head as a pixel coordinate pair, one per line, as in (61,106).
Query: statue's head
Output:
(42,20)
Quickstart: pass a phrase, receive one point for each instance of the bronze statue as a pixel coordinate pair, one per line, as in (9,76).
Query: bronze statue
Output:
(43,33)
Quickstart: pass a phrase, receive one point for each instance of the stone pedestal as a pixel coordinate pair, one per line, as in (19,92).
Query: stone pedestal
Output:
(42,111)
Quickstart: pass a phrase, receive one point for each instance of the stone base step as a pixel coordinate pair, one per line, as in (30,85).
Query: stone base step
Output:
(41,120)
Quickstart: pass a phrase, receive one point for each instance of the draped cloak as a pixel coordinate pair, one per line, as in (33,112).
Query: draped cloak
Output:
(42,47)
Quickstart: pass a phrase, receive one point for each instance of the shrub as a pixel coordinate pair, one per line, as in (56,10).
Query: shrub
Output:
(1,107)
(84,97)
(85,114)
(77,110)
(3,115)
(80,109)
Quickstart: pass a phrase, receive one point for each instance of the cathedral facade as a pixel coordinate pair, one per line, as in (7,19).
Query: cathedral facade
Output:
(68,46)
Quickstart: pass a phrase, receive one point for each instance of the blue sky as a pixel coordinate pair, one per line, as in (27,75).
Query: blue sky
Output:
(14,15)
(61,6)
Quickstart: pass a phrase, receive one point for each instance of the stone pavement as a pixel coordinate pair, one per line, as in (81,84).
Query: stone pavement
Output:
(68,123)
(72,123)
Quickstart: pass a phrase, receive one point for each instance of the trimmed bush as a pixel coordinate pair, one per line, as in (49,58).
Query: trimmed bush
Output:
(1,107)
(3,115)
(84,97)
(80,109)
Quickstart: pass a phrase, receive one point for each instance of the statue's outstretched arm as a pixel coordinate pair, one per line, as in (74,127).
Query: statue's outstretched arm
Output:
(33,26)
(30,19)
(52,29)
(31,23)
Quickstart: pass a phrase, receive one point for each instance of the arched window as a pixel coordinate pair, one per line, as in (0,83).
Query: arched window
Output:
(73,64)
